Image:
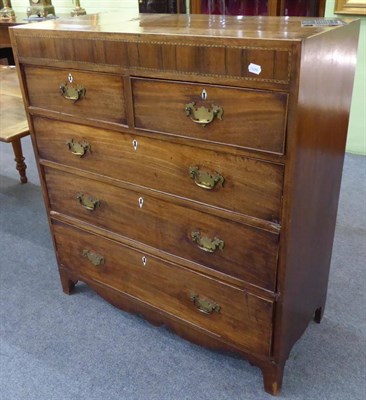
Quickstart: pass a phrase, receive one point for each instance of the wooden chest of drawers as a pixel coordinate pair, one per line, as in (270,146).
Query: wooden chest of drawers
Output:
(191,167)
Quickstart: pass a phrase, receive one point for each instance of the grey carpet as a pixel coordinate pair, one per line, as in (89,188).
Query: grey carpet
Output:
(58,347)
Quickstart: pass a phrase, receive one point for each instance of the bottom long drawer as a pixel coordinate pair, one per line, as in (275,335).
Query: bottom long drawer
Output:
(229,312)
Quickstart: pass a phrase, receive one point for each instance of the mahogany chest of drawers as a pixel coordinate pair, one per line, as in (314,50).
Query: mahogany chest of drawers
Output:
(191,167)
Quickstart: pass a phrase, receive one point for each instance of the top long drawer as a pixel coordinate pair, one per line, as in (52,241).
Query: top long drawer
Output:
(82,94)
(245,118)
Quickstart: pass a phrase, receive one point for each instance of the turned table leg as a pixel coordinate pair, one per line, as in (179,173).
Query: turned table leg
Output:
(19,159)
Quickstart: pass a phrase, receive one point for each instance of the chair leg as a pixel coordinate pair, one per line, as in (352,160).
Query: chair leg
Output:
(19,159)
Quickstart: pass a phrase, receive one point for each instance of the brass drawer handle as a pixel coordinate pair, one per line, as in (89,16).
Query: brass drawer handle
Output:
(88,202)
(69,92)
(206,244)
(203,115)
(78,148)
(205,179)
(206,306)
(94,258)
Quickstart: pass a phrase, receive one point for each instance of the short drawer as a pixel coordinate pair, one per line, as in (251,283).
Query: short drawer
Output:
(251,119)
(228,312)
(94,96)
(238,184)
(247,253)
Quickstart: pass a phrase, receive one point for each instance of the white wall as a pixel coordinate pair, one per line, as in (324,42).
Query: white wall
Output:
(91,6)
(356,140)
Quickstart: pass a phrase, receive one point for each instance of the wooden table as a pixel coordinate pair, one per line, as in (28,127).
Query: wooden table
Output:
(5,45)
(5,24)
(13,122)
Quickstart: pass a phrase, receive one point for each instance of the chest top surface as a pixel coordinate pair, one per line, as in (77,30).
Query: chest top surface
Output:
(240,51)
(204,26)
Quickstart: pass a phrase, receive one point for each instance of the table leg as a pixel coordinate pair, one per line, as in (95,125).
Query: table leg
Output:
(19,159)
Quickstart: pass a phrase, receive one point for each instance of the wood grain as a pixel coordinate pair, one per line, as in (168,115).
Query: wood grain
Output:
(317,140)
(169,287)
(280,147)
(13,120)
(14,123)
(250,187)
(103,100)
(252,119)
(249,254)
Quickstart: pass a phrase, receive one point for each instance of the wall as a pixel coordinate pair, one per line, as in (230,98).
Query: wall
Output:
(356,142)
(357,127)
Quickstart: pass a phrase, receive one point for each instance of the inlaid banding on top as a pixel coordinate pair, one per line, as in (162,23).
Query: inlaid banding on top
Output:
(184,58)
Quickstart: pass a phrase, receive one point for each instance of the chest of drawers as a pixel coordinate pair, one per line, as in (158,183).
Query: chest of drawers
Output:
(191,167)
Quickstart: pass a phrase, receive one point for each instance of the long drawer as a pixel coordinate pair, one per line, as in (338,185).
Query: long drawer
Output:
(241,251)
(94,96)
(245,118)
(238,184)
(228,312)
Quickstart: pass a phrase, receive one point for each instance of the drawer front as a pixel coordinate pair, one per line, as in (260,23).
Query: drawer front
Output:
(241,251)
(94,96)
(238,184)
(245,118)
(231,313)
